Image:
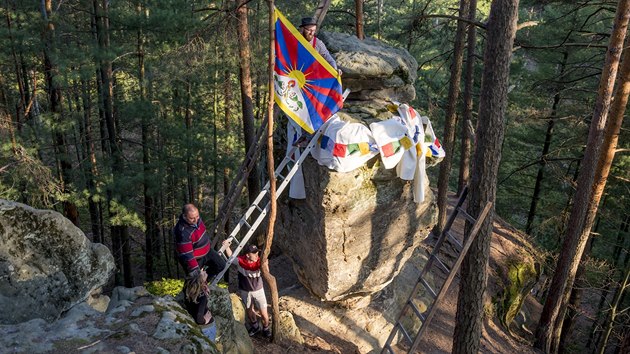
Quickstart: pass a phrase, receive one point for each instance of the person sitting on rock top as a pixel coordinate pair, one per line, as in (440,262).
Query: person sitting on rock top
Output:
(250,286)
(308,27)
(196,294)
(192,243)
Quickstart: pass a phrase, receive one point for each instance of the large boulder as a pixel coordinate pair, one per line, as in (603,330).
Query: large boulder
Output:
(47,265)
(135,321)
(355,231)
(372,69)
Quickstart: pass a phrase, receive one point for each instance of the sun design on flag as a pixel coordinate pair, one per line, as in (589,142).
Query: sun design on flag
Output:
(299,77)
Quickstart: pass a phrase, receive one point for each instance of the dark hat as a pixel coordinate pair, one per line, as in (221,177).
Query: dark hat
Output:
(251,249)
(308,21)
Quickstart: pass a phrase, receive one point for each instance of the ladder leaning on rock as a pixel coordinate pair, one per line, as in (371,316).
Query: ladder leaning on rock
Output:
(409,306)
(256,213)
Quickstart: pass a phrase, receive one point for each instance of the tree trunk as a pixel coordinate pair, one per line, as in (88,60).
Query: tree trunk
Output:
(253,184)
(550,325)
(88,166)
(320,12)
(191,154)
(269,278)
(55,98)
(412,26)
(358,5)
(19,78)
(151,227)
(119,233)
(545,150)
(490,131)
(215,141)
(466,132)
(450,123)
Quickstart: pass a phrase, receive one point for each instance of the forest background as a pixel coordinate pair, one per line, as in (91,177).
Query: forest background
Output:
(116,113)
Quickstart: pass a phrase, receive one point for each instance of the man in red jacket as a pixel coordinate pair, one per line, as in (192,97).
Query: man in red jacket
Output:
(250,286)
(192,243)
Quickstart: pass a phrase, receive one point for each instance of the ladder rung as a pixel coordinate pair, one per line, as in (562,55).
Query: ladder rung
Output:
(247,225)
(428,287)
(441,264)
(454,240)
(466,215)
(404,332)
(416,310)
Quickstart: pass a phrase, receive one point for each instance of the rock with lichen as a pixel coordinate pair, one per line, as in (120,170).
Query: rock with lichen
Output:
(47,265)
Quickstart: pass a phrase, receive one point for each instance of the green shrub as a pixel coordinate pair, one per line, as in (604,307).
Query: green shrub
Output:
(165,287)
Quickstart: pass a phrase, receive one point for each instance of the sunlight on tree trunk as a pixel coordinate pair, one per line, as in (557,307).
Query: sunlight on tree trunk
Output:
(550,325)
(490,132)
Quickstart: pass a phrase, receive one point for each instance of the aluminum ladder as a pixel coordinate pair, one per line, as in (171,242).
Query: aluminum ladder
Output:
(255,214)
(409,306)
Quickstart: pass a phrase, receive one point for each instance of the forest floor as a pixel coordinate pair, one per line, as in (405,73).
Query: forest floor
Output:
(321,336)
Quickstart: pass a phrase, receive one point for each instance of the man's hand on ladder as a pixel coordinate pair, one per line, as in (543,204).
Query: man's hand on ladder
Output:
(225,247)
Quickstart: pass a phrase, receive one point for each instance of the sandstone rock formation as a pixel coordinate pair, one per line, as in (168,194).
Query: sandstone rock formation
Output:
(356,230)
(373,70)
(47,265)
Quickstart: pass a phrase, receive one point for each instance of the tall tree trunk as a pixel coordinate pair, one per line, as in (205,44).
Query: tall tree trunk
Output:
(490,132)
(55,98)
(89,167)
(545,150)
(253,184)
(358,6)
(191,156)
(269,278)
(227,117)
(550,325)
(215,141)
(451,117)
(379,12)
(19,78)
(412,26)
(466,130)
(119,233)
(151,227)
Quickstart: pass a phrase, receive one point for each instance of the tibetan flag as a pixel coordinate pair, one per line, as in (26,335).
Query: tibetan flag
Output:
(308,88)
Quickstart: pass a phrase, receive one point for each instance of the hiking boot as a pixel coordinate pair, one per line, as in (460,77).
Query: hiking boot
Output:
(253,330)
(267,332)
